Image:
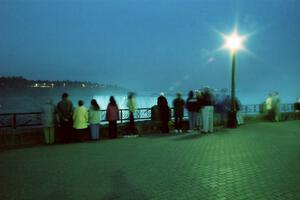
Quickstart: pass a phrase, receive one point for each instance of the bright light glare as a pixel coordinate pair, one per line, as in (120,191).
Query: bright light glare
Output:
(234,41)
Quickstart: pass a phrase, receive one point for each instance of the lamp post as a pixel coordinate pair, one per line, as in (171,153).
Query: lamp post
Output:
(232,120)
(233,42)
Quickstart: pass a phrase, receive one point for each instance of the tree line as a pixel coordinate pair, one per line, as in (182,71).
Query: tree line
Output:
(21,82)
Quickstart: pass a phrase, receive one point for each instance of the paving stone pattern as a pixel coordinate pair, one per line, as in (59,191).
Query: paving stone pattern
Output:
(259,161)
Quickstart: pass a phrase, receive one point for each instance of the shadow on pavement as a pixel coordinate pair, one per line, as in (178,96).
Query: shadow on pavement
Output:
(190,136)
(158,135)
(122,189)
(57,194)
(196,134)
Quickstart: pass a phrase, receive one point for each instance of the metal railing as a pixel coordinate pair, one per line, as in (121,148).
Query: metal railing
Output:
(254,109)
(139,115)
(35,119)
(14,120)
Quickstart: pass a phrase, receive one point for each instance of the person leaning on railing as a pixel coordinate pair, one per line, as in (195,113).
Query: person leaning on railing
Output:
(80,122)
(268,105)
(239,115)
(165,113)
(64,111)
(131,105)
(192,105)
(49,121)
(276,106)
(94,119)
(112,116)
(155,117)
(208,111)
(178,105)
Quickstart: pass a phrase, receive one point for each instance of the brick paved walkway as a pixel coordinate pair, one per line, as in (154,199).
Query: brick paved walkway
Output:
(255,161)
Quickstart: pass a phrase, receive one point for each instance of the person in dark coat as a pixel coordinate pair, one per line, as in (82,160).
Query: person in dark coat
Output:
(64,110)
(165,113)
(297,107)
(222,106)
(155,117)
(178,105)
(199,97)
(226,107)
(193,108)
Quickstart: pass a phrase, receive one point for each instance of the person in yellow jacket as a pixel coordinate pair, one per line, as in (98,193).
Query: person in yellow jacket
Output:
(131,105)
(80,122)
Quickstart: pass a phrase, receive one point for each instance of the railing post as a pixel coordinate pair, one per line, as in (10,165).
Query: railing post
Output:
(14,121)
(121,116)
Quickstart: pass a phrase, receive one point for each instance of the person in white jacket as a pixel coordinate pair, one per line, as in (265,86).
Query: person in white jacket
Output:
(208,111)
(276,106)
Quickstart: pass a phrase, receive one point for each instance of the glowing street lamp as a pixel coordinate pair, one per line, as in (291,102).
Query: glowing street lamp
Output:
(233,42)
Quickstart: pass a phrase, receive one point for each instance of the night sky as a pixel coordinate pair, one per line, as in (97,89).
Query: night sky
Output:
(152,45)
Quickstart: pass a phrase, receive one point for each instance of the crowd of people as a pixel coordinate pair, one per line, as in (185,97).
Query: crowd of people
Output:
(77,124)
(201,106)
